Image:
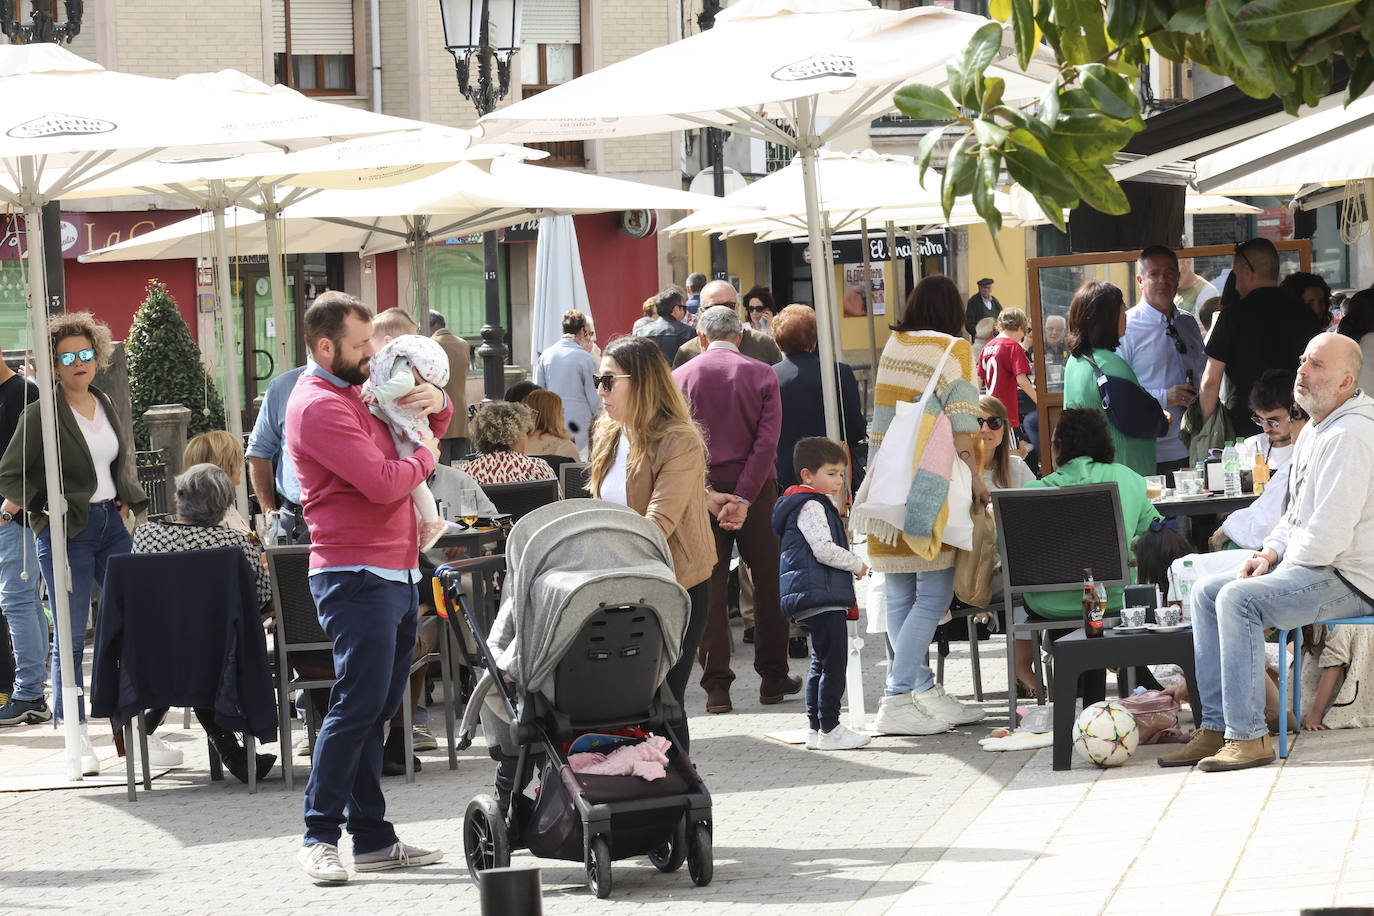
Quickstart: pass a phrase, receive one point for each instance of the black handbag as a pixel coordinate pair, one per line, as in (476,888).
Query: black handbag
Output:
(1130,408)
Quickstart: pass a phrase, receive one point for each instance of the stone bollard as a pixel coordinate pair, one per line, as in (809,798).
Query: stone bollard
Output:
(167,431)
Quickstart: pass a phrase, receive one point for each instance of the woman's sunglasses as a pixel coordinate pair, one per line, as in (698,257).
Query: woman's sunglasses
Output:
(69,359)
(606,382)
(992,423)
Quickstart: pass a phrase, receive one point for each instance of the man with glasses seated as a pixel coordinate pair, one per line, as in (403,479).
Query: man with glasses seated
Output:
(1163,346)
(1266,329)
(755,344)
(1274,410)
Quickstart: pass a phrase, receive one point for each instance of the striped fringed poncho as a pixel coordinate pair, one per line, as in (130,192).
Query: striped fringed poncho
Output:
(904,371)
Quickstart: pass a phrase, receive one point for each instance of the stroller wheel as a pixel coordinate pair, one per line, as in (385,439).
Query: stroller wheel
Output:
(670,856)
(700,865)
(599,867)
(485,841)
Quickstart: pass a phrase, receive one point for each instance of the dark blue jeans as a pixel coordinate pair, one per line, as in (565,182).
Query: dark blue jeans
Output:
(372,623)
(829,656)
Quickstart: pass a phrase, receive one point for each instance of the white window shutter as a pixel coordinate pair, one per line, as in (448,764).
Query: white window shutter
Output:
(550,22)
(321,27)
(278,26)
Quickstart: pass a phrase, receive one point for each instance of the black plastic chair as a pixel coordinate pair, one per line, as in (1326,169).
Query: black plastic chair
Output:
(516,499)
(1047,536)
(298,630)
(575,480)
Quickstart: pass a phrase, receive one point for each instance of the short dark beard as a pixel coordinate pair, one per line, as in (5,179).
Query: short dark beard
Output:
(356,374)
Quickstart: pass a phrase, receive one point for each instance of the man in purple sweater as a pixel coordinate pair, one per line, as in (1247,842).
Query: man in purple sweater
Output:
(355,493)
(735,400)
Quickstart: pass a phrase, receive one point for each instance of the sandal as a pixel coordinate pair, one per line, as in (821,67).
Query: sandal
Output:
(1024,692)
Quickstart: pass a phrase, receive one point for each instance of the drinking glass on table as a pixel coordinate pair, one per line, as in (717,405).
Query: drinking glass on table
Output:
(1154,486)
(467,507)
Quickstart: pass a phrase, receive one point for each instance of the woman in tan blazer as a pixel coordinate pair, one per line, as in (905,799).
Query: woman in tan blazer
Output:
(648,454)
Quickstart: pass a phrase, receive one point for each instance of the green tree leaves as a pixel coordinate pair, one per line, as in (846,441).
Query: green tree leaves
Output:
(165,366)
(1059,149)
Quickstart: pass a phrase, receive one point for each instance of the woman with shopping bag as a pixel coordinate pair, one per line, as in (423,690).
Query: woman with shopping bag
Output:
(916,504)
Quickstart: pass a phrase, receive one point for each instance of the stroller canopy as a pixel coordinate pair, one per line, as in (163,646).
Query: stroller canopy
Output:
(565,561)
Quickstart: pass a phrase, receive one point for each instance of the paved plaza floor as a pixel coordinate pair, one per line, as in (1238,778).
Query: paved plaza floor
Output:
(907,825)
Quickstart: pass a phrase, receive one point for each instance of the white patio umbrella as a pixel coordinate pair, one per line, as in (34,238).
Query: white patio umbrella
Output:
(820,67)
(67,122)
(1195,204)
(558,282)
(463,199)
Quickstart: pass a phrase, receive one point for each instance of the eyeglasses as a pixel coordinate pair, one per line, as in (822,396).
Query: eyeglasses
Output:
(69,359)
(992,423)
(1240,253)
(606,382)
(1266,422)
(1172,331)
(759,308)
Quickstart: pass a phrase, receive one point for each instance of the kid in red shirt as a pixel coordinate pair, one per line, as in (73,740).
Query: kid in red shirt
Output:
(1003,366)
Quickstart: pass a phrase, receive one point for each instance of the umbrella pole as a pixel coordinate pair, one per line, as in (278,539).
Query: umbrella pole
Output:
(421,271)
(821,276)
(57,502)
(271,222)
(233,403)
(868,296)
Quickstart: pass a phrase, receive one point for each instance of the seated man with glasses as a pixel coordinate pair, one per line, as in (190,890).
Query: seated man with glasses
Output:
(1267,329)
(755,344)
(1163,346)
(1275,411)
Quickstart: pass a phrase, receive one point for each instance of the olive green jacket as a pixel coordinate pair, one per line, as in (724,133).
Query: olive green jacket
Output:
(22,478)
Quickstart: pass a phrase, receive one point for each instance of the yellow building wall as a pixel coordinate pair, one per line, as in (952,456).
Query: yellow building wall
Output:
(1008,273)
(739,257)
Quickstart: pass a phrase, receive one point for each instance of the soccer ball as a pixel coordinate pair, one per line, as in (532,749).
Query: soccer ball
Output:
(1105,734)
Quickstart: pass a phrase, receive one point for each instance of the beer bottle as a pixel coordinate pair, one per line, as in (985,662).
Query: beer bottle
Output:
(1094,605)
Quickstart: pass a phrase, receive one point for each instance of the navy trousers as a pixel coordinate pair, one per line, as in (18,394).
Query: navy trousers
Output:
(829,657)
(372,623)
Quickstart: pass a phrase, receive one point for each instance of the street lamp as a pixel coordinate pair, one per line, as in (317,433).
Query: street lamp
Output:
(44,27)
(485,29)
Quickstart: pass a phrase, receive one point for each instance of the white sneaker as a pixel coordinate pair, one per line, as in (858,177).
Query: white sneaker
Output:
(321,862)
(840,738)
(161,754)
(812,736)
(897,715)
(90,762)
(940,705)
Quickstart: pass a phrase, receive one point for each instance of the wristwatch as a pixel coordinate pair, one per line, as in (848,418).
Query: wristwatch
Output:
(6,516)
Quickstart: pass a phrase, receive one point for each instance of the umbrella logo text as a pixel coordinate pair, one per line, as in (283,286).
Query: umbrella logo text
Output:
(815,67)
(54,124)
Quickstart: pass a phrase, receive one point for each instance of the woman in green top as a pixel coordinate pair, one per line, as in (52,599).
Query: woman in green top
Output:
(1097,319)
(1083,454)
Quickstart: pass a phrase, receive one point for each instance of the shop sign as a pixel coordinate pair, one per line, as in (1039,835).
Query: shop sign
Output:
(86,232)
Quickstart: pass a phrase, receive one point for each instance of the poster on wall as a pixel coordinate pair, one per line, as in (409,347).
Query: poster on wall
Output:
(855,294)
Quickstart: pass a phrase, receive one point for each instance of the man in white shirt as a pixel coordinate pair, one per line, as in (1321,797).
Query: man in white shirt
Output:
(1164,348)
(1282,419)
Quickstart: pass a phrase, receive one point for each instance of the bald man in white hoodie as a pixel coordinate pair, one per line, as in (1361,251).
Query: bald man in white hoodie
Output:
(1313,566)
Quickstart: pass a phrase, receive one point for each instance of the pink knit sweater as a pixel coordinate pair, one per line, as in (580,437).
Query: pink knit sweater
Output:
(355,491)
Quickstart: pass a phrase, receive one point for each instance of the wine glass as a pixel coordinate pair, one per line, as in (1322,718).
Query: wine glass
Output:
(467,507)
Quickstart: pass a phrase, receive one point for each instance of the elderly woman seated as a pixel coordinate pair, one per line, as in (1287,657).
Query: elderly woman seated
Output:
(225,451)
(500,430)
(203,496)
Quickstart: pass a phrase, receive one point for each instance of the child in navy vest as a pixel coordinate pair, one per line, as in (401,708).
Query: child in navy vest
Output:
(817,574)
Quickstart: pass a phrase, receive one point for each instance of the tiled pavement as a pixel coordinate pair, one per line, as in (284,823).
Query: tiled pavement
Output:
(930,825)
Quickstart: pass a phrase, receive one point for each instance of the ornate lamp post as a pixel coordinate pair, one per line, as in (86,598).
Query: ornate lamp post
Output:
(490,31)
(43,27)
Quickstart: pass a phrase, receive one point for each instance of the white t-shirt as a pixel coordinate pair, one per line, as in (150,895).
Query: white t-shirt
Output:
(1018,472)
(104,448)
(613,484)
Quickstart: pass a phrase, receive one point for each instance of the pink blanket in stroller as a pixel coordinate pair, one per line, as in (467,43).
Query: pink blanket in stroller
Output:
(648,760)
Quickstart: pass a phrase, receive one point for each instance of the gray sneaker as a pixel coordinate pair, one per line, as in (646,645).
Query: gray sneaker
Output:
(25,712)
(422,739)
(321,862)
(397,855)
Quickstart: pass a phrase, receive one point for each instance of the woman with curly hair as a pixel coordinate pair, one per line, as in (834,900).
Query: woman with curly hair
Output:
(648,454)
(500,431)
(99,482)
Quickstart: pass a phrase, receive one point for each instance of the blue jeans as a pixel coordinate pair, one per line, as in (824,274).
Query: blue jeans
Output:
(915,604)
(1229,619)
(372,623)
(87,553)
(23,612)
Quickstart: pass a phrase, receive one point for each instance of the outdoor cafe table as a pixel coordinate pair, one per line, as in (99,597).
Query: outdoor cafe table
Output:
(1212,503)
(478,541)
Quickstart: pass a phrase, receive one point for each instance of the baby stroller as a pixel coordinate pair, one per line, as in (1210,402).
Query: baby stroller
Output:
(591,620)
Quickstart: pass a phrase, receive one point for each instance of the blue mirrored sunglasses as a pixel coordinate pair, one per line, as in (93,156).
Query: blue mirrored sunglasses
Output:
(68,359)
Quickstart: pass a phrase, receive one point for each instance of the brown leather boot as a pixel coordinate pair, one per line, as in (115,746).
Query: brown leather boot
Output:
(1204,743)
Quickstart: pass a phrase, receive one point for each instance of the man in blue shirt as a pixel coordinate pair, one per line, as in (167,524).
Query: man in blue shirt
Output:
(1163,346)
(567,369)
(269,465)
